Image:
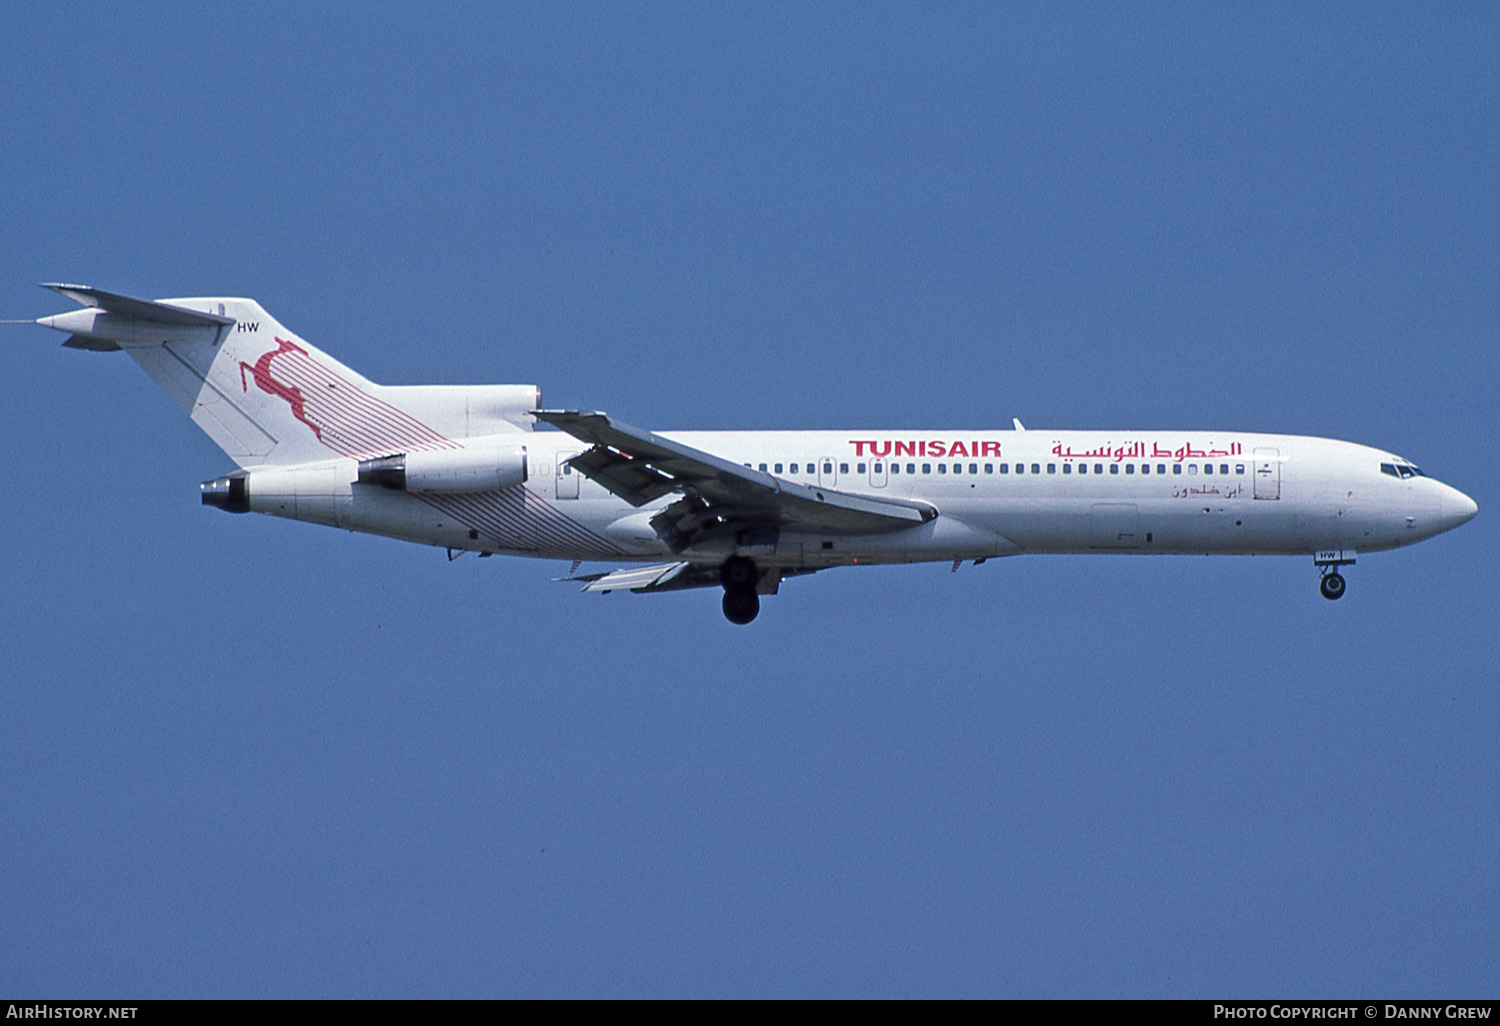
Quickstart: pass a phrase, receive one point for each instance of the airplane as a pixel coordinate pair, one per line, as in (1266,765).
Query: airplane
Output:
(485,468)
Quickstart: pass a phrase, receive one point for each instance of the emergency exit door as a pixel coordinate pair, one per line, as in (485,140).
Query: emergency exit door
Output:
(567,477)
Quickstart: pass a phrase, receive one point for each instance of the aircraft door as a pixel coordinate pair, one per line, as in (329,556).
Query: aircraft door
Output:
(828,472)
(567,477)
(877,473)
(1267,474)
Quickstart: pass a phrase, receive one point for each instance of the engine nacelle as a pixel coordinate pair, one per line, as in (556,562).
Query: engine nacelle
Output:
(482,465)
(309,492)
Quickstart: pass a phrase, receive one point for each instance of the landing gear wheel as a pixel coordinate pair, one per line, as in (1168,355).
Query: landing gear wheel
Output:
(1332,586)
(739,577)
(741,607)
(738,574)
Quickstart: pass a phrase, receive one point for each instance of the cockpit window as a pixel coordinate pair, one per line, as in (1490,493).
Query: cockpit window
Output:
(1401,470)
(1389,468)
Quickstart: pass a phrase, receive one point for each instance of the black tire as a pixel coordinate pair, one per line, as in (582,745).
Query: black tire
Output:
(738,574)
(741,607)
(1332,586)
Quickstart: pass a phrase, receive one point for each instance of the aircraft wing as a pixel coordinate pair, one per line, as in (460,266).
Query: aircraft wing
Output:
(659,577)
(639,466)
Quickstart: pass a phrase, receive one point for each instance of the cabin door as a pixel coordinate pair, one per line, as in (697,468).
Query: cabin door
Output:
(1267,474)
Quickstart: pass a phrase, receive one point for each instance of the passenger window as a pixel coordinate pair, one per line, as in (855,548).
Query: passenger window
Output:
(1145,468)
(859,468)
(1130,468)
(973,468)
(1067,468)
(878,468)
(843,468)
(1114,468)
(778,468)
(1036,468)
(762,467)
(1161,468)
(1177,468)
(989,468)
(828,468)
(1192,469)
(1223,468)
(1020,468)
(958,468)
(794,468)
(1239,468)
(1083,468)
(927,468)
(942,468)
(1052,468)
(1098,468)
(1208,468)
(895,468)
(1005,468)
(911,468)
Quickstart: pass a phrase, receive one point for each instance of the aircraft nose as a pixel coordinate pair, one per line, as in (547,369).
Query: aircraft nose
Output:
(1457,508)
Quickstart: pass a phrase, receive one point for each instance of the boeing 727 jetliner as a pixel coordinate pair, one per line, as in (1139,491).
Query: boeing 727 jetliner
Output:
(463,467)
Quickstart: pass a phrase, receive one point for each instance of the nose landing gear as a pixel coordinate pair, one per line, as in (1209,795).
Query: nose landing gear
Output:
(1331,584)
(740,577)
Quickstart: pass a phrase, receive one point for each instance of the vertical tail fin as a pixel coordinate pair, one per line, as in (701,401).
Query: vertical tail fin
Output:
(269,398)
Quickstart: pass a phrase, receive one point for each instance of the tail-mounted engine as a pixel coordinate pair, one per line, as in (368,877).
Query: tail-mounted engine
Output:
(310,491)
(483,465)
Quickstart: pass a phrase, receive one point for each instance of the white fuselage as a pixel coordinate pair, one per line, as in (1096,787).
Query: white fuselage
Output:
(997,492)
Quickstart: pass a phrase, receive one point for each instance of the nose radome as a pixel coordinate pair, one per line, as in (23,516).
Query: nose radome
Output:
(1458,508)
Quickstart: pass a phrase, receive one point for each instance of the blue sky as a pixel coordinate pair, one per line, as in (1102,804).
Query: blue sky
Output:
(241,756)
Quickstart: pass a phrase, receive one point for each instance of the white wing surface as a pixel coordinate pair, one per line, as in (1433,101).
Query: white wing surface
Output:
(639,466)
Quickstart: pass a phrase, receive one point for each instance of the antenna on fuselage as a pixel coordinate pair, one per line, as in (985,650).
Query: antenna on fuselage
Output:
(1017,422)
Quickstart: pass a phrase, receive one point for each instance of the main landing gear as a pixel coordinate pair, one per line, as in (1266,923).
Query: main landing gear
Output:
(740,577)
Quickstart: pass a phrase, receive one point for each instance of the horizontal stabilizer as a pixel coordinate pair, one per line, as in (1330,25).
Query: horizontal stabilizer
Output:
(98,345)
(142,309)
